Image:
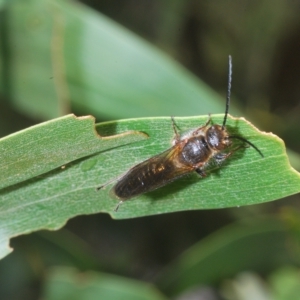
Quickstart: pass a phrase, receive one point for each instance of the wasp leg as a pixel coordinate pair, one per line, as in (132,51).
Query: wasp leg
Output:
(177,135)
(100,187)
(117,207)
(220,157)
(200,172)
(195,132)
(105,184)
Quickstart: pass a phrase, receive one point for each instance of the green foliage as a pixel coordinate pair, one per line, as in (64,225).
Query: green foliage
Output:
(42,148)
(285,283)
(60,56)
(67,283)
(64,51)
(238,247)
(52,195)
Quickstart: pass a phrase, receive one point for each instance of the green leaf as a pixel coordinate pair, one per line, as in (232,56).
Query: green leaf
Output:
(2,3)
(256,245)
(285,283)
(49,145)
(29,155)
(61,50)
(67,283)
(47,201)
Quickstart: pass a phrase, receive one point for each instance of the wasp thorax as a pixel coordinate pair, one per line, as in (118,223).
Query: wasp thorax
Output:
(217,137)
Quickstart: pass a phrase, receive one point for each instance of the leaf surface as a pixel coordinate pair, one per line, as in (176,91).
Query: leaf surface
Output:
(238,247)
(62,55)
(47,201)
(68,283)
(49,145)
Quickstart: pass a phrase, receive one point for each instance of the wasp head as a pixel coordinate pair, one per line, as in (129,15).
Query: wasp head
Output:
(217,137)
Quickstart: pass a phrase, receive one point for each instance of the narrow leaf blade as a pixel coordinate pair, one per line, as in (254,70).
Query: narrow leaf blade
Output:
(49,145)
(49,200)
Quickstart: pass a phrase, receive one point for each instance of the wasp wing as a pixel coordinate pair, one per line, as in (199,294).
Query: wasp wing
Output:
(151,174)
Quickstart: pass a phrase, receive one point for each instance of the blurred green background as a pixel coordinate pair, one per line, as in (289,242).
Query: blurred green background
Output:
(58,57)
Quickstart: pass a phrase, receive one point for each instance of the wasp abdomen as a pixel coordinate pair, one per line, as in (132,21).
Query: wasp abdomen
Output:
(143,178)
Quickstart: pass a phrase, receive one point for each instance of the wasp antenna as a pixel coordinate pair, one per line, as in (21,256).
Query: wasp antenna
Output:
(247,142)
(228,90)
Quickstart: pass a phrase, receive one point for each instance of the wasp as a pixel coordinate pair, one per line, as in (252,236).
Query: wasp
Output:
(195,151)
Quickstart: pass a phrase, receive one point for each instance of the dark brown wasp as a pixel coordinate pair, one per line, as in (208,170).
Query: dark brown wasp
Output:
(192,152)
